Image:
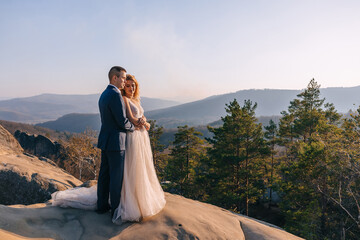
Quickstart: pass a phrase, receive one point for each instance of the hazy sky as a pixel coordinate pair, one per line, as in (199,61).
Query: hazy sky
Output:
(182,50)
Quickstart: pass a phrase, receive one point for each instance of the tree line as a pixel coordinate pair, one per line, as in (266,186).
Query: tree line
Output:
(302,174)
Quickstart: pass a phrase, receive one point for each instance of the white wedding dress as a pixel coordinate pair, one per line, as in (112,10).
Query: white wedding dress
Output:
(141,194)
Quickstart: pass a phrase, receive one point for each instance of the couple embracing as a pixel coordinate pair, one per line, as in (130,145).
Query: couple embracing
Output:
(127,172)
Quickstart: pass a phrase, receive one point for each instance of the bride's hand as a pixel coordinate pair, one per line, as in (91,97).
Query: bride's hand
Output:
(140,121)
(147,126)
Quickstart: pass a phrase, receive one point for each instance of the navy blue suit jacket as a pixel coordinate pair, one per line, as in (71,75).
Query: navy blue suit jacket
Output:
(114,123)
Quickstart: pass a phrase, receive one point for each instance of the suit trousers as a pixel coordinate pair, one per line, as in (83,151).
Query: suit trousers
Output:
(110,179)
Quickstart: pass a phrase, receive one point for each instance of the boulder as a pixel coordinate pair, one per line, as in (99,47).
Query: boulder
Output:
(25,179)
(38,145)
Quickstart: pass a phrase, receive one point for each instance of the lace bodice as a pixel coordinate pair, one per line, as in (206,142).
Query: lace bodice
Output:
(137,111)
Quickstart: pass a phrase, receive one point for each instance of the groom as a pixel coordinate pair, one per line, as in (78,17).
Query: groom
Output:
(114,125)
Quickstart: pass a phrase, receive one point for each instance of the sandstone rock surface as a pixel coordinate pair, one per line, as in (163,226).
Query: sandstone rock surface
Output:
(8,144)
(181,218)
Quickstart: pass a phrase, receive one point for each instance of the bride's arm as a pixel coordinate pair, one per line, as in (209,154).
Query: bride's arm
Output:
(129,114)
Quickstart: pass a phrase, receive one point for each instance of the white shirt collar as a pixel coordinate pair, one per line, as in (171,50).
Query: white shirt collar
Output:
(117,89)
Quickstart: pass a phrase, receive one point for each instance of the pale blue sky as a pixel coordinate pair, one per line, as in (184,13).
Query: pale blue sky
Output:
(182,50)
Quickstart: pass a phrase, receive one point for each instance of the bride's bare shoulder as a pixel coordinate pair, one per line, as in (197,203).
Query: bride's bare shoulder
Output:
(126,99)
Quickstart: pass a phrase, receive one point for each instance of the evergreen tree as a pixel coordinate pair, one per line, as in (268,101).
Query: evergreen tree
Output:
(236,152)
(187,149)
(344,190)
(309,130)
(157,148)
(271,137)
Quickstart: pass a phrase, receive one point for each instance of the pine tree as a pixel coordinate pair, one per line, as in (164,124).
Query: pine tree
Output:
(155,133)
(271,137)
(187,149)
(309,130)
(345,172)
(236,152)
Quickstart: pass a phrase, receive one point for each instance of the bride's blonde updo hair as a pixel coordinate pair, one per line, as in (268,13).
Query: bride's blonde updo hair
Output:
(136,95)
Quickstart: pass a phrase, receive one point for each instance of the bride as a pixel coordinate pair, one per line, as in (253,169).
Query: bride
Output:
(141,195)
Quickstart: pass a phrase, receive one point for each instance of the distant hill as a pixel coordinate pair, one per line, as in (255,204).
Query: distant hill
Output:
(16,116)
(48,107)
(78,123)
(74,122)
(169,133)
(270,102)
(170,114)
(211,109)
(32,129)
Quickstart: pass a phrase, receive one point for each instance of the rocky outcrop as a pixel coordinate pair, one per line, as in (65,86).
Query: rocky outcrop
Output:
(28,180)
(181,218)
(25,179)
(38,145)
(8,143)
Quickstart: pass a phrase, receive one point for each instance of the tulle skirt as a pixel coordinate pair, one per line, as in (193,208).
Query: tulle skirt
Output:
(79,197)
(141,194)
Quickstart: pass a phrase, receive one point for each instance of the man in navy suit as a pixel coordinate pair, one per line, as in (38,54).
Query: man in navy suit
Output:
(112,137)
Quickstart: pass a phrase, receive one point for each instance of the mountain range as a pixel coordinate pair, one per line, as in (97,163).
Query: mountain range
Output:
(75,113)
(270,102)
(47,107)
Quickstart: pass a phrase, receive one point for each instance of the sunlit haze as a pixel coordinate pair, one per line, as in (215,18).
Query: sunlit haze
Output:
(178,50)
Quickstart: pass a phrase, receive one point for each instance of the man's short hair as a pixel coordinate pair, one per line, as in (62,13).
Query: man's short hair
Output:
(115,71)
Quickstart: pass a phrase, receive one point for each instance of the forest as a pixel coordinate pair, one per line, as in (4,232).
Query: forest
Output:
(302,174)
